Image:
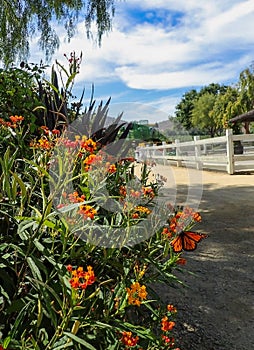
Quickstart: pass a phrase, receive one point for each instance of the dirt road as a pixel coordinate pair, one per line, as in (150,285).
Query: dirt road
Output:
(216,309)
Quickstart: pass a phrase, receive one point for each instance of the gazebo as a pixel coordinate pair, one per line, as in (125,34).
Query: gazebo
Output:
(245,118)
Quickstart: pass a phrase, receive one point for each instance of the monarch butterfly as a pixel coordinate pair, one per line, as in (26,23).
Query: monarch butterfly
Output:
(187,241)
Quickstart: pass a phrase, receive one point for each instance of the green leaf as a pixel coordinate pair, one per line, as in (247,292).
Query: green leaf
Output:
(51,290)
(34,269)
(80,341)
(19,319)
(140,331)
(6,342)
(21,184)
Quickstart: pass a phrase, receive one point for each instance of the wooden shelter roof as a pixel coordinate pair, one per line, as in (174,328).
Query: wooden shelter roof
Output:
(245,117)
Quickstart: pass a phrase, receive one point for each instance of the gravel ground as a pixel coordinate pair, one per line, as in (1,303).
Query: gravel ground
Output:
(216,308)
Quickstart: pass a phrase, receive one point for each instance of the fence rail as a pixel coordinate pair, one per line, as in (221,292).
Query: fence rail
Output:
(230,153)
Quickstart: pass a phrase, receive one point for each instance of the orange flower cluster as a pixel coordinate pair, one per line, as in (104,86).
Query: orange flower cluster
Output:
(74,197)
(181,261)
(46,131)
(122,191)
(111,168)
(140,211)
(166,231)
(167,325)
(87,211)
(148,192)
(80,279)
(14,120)
(136,293)
(48,140)
(89,145)
(178,222)
(135,194)
(171,308)
(44,143)
(128,340)
(90,160)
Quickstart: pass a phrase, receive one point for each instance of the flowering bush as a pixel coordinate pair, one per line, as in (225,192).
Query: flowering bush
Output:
(83,245)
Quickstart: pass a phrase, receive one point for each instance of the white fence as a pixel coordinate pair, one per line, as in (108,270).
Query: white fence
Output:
(218,153)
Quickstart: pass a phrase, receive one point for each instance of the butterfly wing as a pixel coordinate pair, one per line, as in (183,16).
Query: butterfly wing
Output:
(190,240)
(187,240)
(177,244)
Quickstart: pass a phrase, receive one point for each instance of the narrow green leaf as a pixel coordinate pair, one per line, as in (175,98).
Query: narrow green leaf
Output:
(21,185)
(34,269)
(19,319)
(6,342)
(80,341)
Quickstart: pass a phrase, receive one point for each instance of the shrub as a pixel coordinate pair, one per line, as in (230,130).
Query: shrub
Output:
(84,243)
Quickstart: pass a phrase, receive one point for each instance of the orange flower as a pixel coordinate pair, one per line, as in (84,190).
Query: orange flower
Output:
(15,119)
(135,194)
(148,192)
(167,232)
(75,198)
(89,145)
(87,212)
(91,159)
(111,168)
(45,129)
(196,217)
(69,268)
(136,293)
(122,191)
(80,278)
(43,143)
(167,325)
(142,210)
(56,132)
(171,308)
(135,216)
(181,261)
(128,340)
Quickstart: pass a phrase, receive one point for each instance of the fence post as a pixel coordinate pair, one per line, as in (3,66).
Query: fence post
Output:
(147,153)
(197,153)
(230,152)
(164,152)
(178,153)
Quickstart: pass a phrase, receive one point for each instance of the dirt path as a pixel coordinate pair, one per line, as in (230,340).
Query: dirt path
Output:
(216,310)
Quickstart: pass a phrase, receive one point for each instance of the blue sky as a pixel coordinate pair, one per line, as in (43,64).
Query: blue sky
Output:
(158,50)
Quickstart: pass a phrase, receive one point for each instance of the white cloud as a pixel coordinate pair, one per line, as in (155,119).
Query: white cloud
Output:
(134,111)
(204,74)
(152,57)
(212,42)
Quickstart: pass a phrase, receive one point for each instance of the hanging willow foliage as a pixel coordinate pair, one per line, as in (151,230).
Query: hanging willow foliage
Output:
(22,19)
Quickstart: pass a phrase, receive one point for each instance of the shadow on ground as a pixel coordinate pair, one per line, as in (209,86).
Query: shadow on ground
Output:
(216,309)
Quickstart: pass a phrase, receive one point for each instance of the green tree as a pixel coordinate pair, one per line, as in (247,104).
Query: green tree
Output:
(22,19)
(185,107)
(183,110)
(226,107)
(214,89)
(202,113)
(245,101)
